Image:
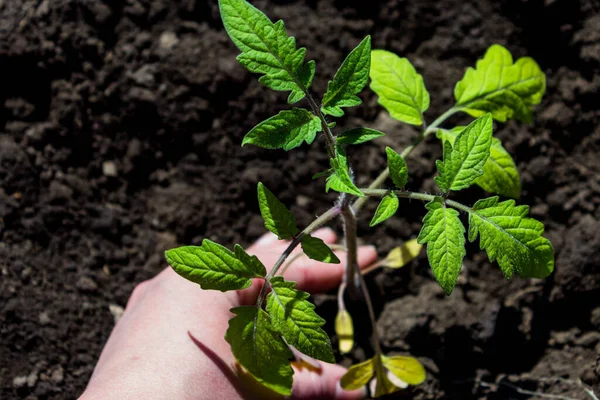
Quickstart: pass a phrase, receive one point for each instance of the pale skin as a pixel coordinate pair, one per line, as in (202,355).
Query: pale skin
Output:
(169,343)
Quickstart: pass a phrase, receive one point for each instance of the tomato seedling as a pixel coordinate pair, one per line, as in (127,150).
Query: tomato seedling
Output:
(496,89)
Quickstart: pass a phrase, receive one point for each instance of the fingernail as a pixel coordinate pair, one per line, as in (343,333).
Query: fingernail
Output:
(341,394)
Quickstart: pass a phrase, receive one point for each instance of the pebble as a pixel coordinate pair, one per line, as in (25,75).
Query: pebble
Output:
(168,40)
(19,382)
(116,311)
(86,284)
(109,168)
(44,318)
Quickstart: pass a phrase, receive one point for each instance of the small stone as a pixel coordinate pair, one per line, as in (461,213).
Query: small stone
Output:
(595,320)
(142,95)
(57,375)
(59,192)
(19,382)
(32,379)
(86,284)
(144,76)
(109,168)
(302,201)
(116,311)
(44,318)
(168,40)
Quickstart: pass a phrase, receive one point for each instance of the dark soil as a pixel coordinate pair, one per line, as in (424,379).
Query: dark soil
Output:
(120,132)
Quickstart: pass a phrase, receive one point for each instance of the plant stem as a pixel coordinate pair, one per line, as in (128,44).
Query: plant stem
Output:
(367,297)
(415,196)
(351,243)
(328,134)
(360,202)
(401,193)
(317,223)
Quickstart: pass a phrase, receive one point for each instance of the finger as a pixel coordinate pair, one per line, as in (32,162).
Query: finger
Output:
(325,234)
(313,276)
(310,383)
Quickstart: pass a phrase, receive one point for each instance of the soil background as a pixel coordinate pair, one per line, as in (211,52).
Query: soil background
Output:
(120,132)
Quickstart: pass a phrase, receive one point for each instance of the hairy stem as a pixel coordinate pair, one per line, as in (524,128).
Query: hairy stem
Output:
(415,196)
(328,134)
(401,194)
(351,243)
(369,304)
(317,223)
(360,202)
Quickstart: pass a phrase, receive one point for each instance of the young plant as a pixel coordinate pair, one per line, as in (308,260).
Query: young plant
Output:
(497,89)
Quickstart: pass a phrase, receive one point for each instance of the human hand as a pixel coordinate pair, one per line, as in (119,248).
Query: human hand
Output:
(169,343)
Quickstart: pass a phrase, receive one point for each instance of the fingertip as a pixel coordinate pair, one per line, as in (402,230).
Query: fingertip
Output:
(327,235)
(367,255)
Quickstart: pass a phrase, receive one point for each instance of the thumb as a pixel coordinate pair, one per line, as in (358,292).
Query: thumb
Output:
(322,382)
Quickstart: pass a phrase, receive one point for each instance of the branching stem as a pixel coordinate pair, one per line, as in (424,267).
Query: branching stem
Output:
(360,202)
(317,223)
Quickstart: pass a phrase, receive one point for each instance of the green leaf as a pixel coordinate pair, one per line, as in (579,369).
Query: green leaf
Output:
(295,317)
(407,369)
(348,81)
(286,130)
(509,237)
(500,174)
(213,266)
(464,162)
(257,346)
(500,87)
(278,219)
(267,49)
(398,168)
(250,262)
(357,375)
(316,249)
(385,209)
(445,237)
(400,88)
(340,180)
(358,135)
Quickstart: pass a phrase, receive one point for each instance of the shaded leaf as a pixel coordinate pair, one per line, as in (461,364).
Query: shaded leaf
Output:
(358,135)
(316,249)
(278,219)
(445,237)
(295,317)
(257,346)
